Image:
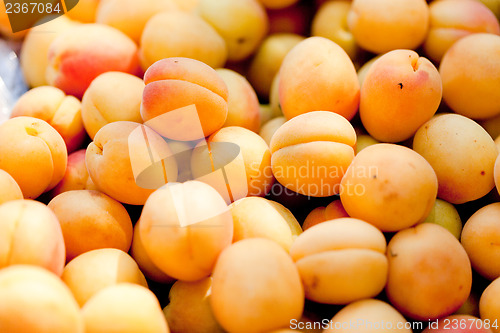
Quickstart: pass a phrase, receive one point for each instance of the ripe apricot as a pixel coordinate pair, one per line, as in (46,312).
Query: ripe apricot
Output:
(9,190)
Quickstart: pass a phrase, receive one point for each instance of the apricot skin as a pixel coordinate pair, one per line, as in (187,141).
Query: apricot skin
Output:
(489,304)
(9,190)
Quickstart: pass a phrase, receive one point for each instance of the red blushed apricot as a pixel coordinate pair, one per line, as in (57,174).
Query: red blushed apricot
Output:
(458,323)
(33,153)
(315,75)
(81,53)
(400,92)
(9,190)
(175,83)
(334,210)
(30,234)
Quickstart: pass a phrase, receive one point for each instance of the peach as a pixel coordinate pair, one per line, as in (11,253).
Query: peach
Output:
(270,127)
(267,60)
(480,240)
(400,92)
(189,36)
(129,16)
(84,11)
(429,272)
(95,270)
(315,75)
(384,25)
(446,215)
(243,155)
(189,308)
(187,93)
(470,76)
(242,102)
(30,234)
(318,215)
(458,323)
(489,306)
(124,308)
(9,190)
(112,96)
(461,153)
(243,24)
(33,153)
(368,316)
(341,261)
(91,220)
(183,242)
(63,113)
(259,217)
(311,152)
(35,49)
(262,267)
(128,161)
(34,300)
(277,4)
(78,55)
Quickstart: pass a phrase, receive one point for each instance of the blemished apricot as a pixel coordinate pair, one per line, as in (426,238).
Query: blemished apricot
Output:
(186,92)
(461,153)
(51,308)
(88,44)
(91,220)
(134,309)
(311,153)
(264,268)
(184,242)
(341,261)
(446,215)
(242,24)
(189,300)
(375,30)
(317,74)
(429,272)
(33,153)
(95,270)
(242,102)
(30,234)
(249,171)
(400,92)
(267,60)
(470,76)
(334,210)
(270,127)
(199,40)
(480,240)
(84,11)
(126,166)
(259,217)
(368,316)
(489,305)
(63,113)
(112,96)
(458,323)
(9,190)
(451,20)
(389,186)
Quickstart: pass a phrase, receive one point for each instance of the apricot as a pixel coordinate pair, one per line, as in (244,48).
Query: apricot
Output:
(30,234)
(187,93)
(458,323)
(461,153)
(76,176)
(84,11)
(264,268)
(341,261)
(311,153)
(317,74)
(363,141)
(489,306)
(367,316)
(78,55)
(446,215)
(429,272)
(33,153)
(9,190)
(33,299)
(363,70)
(128,161)
(470,76)
(270,127)
(242,102)
(318,215)
(400,92)
(63,113)
(189,36)
(112,96)
(189,308)
(95,270)
(243,24)
(91,220)
(380,26)
(274,97)
(124,308)
(183,242)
